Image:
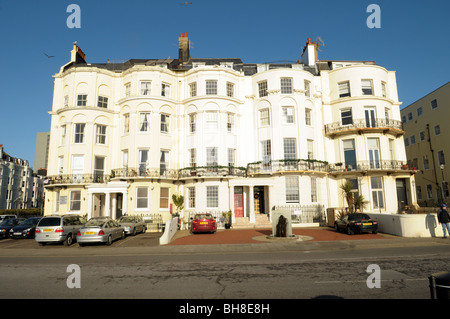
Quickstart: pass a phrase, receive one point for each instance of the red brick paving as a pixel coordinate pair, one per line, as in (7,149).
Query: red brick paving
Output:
(245,236)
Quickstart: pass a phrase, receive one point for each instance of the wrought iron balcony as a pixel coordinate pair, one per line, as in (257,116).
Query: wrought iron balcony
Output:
(212,171)
(67,179)
(141,172)
(280,166)
(363,166)
(393,127)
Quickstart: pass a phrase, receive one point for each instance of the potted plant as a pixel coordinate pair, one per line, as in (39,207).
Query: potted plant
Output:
(178,201)
(346,189)
(227,217)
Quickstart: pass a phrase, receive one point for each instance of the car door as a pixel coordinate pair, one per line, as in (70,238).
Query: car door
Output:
(115,229)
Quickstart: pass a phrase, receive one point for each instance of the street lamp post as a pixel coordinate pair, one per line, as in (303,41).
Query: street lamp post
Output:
(444,188)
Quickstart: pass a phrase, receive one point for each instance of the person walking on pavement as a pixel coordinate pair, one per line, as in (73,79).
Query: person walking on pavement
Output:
(444,219)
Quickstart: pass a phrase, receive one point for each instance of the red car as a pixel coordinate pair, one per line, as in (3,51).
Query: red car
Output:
(203,223)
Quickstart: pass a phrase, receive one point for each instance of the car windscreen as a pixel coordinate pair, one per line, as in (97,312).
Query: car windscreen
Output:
(358,217)
(127,219)
(7,222)
(201,216)
(30,221)
(95,222)
(50,221)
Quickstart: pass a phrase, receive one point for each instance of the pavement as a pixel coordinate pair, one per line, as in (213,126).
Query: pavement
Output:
(255,236)
(229,241)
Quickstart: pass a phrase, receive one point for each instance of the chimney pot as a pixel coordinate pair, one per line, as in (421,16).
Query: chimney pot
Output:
(185,35)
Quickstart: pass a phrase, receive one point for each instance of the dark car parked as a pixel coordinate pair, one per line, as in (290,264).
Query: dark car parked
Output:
(356,223)
(7,224)
(25,229)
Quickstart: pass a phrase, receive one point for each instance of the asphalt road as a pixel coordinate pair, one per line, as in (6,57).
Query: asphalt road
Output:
(138,268)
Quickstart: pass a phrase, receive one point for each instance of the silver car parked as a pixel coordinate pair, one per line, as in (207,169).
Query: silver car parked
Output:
(58,228)
(133,224)
(100,230)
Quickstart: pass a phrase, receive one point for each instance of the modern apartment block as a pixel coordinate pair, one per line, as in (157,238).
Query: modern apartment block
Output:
(427,131)
(227,135)
(41,153)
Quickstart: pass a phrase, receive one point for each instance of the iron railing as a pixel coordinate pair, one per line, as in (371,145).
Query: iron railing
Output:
(361,124)
(154,222)
(137,172)
(301,214)
(78,179)
(375,165)
(286,166)
(211,171)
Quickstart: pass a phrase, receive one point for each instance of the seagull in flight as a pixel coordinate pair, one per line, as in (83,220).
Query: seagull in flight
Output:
(49,56)
(186,3)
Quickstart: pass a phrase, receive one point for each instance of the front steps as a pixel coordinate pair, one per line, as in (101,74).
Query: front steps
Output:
(261,221)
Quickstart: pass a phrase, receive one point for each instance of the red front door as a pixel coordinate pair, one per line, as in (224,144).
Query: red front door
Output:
(238,205)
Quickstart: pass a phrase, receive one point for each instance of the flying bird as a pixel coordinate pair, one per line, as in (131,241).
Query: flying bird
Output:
(49,56)
(186,3)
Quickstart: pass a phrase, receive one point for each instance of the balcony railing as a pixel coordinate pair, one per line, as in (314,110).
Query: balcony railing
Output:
(279,166)
(212,171)
(337,128)
(387,165)
(140,172)
(77,179)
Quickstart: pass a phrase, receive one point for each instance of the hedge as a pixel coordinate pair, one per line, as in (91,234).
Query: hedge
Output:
(22,213)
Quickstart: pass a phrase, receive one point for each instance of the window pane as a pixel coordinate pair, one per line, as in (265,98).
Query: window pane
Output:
(292,189)
(262,88)
(212,196)
(286,86)
(344,89)
(211,87)
(164,198)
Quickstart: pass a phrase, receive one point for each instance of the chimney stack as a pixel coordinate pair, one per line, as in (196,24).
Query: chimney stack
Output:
(310,53)
(183,48)
(77,55)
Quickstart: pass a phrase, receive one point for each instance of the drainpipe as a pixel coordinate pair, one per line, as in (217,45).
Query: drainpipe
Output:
(434,166)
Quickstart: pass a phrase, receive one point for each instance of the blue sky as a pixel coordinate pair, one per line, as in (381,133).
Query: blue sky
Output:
(413,40)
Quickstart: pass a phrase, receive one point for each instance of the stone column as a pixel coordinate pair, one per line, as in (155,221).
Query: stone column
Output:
(251,201)
(108,204)
(89,210)
(124,203)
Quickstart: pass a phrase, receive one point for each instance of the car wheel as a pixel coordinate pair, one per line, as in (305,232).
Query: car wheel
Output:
(134,232)
(350,231)
(69,240)
(123,234)
(144,229)
(109,240)
(336,227)
(42,244)
(375,232)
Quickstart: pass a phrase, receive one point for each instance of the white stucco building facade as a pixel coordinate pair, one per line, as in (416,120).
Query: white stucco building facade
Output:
(227,135)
